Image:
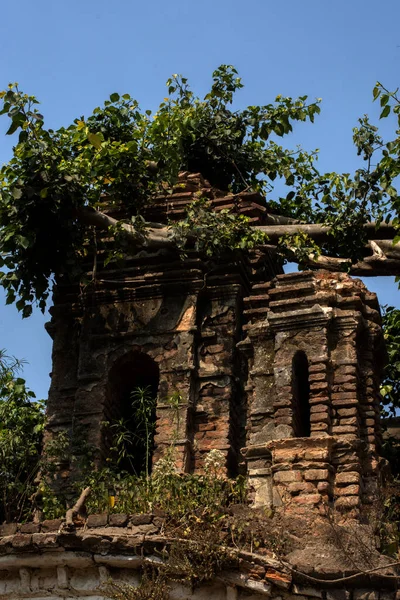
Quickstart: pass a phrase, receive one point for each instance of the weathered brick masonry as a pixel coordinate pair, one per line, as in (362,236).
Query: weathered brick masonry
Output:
(278,372)
(285,367)
(323,329)
(161,321)
(48,561)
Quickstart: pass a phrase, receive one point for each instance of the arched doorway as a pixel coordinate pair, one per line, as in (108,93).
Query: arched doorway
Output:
(130,412)
(301,395)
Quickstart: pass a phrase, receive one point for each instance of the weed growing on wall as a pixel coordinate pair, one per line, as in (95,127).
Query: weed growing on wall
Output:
(152,587)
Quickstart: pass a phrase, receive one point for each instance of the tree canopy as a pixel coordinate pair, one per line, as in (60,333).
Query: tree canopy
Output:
(53,188)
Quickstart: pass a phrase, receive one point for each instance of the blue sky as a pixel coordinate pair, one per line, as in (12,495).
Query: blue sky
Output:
(73,54)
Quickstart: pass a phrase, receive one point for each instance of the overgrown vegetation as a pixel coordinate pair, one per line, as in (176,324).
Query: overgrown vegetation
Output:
(390,388)
(388,521)
(209,522)
(57,181)
(207,515)
(116,490)
(133,436)
(21,427)
(124,156)
(213,233)
(51,195)
(179,495)
(152,587)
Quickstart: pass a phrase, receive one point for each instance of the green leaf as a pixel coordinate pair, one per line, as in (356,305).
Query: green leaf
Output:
(23,241)
(10,297)
(384,99)
(20,304)
(26,311)
(13,127)
(5,109)
(23,136)
(385,112)
(94,139)
(114,97)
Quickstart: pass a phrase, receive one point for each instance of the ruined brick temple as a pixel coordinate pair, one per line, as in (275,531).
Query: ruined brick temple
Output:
(278,372)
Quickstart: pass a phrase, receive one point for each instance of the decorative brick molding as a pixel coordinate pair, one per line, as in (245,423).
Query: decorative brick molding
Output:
(332,323)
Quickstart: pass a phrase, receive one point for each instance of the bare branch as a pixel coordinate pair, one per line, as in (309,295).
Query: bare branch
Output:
(321,233)
(77,507)
(156,236)
(371,266)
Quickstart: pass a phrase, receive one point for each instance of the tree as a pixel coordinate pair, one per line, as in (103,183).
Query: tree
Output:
(54,187)
(21,427)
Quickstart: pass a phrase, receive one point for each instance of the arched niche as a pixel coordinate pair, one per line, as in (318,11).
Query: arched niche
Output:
(301,395)
(130,411)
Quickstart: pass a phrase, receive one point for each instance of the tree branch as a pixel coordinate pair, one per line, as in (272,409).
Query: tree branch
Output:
(384,259)
(69,522)
(321,233)
(155,237)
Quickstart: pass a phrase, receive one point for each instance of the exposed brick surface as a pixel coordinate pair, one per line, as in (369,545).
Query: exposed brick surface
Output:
(8,529)
(51,525)
(334,322)
(280,373)
(97,520)
(118,520)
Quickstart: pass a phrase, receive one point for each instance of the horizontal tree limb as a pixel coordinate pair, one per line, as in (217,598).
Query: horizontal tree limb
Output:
(155,237)
(370,267)
(384,259)
(321,233)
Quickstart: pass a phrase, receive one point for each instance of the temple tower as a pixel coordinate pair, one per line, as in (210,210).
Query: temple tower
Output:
(278,372)
(165,323)
(315,350)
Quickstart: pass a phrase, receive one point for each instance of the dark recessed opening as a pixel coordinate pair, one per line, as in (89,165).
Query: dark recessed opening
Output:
(131,412)
(301,395)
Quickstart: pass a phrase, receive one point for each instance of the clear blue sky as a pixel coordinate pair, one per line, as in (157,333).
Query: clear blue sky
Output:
(73,54)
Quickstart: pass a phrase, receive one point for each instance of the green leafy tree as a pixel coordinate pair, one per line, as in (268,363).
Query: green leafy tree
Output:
(55,186)
(390,388)
(21,427)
